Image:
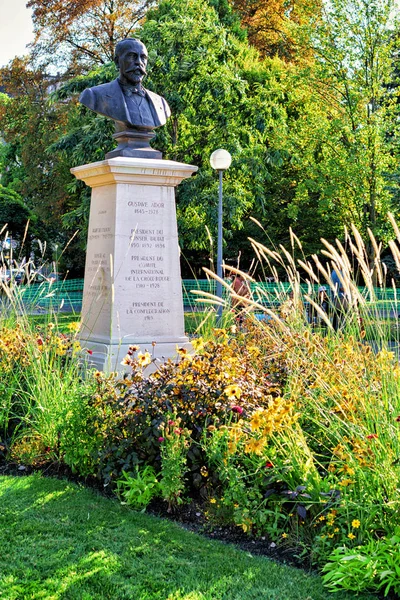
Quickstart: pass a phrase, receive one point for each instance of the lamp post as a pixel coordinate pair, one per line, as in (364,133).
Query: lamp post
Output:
(220,160)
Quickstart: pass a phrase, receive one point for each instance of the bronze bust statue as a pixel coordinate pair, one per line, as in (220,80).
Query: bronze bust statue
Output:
(135,110)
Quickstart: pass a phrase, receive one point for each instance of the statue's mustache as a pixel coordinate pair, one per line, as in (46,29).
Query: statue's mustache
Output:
(137,70)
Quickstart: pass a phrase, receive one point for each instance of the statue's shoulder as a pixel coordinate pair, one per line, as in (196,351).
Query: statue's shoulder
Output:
(159,102)
(101,90)
(155,97)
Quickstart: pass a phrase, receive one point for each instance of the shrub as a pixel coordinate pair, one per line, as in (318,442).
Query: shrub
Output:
(130,414)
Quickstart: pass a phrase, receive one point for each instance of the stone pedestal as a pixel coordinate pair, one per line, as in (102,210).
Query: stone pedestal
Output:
(133,290)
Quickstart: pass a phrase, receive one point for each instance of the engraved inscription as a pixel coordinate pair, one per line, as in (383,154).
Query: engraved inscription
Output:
(147,264)
(148,309)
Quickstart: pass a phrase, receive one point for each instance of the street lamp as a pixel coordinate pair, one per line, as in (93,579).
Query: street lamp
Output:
(220,160)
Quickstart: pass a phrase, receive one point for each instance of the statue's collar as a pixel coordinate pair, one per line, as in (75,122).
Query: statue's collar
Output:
(128,89)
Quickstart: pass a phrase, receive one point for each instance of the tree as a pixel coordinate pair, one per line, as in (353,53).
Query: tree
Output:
(271,24)
(14,214)
(16,220)
(220,94)
(29,124)
(78,33)
(348,147)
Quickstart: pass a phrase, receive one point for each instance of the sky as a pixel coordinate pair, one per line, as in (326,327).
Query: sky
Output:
(16,29)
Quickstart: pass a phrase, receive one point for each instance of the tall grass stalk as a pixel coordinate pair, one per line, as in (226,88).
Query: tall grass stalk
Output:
(40,372)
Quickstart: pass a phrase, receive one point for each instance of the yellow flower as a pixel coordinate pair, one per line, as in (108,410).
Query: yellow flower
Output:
(258,446)
(336,530)
(144,359)
(355,523)
(348,470)
(256,421)
(385,355)
(246,525)
(126,360)
(254,350)
(284,535)
(351,536)
(213,501)
(345,482)
(76,347)
(232,447)
(233,391)
(74,326)
(203,471)
(255,446)
(197,343)
(321,518)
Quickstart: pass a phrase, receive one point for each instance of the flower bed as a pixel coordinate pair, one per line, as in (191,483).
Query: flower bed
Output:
(278,429)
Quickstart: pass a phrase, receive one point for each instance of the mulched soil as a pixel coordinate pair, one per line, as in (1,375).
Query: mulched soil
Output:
(191,517)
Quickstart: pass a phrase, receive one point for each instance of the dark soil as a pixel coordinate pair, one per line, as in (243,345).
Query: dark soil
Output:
(191,517)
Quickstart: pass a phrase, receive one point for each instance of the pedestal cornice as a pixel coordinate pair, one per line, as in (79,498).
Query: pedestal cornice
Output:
(142,171)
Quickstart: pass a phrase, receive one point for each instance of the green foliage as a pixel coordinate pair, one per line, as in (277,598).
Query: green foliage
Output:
(313,141)
(221,95)
(345,141)
(373,566)
(139,489)
(78,443)
(43,392)
(174,442)
(29,124)
(14,213)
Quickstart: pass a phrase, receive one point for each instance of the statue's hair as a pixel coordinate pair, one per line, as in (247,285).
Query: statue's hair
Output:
(119,47)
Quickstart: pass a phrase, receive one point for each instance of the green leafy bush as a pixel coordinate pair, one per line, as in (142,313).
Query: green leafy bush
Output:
(139,489)
(373,566)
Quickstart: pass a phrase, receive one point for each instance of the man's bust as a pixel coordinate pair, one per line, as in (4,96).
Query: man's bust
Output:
(131,106)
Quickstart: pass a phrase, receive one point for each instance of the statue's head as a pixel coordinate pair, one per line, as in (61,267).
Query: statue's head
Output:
(131,59)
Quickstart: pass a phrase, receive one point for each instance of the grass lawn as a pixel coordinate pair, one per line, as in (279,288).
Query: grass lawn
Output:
(59,540)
